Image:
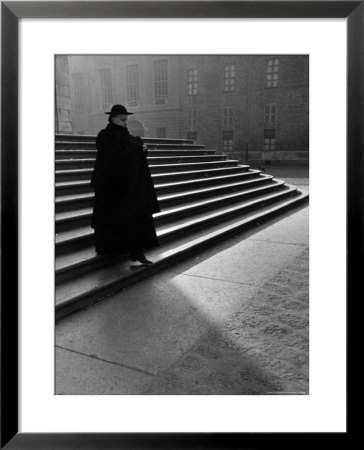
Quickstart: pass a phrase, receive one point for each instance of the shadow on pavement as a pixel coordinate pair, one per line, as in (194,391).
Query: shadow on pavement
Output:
(178,335)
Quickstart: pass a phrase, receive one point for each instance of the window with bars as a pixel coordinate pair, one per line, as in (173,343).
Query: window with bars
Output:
(227,141)
(228,117)
(192,120)
(106,87)
(78,92)
(161,132)
(192,80)
(161,81)
(270,113)
(132,83)
(229,78)
(272,73)
(269,139)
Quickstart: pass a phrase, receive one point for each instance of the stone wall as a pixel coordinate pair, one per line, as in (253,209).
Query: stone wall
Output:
(63,121)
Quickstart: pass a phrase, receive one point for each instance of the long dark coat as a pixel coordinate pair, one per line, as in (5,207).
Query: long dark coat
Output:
(125,198)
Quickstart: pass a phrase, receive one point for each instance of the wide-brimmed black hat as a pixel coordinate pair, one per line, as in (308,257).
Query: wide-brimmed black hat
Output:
(118,109)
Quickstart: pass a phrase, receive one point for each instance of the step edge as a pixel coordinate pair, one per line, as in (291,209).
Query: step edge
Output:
(195,164)
(70,184)
(190,246)
(191,223)
(80,197)
(173,211)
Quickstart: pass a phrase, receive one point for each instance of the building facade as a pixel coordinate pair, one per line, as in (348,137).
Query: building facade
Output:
(63,119)
(252,108)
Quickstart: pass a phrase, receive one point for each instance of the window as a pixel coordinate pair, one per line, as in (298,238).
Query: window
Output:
(78,92)
(106,88)
(227,141)
(132,83)
(269,140)
(161,132)
(192,82)
(270,113)
(272,73)
(192,120)
(229,78)
(228,117)
(160,81)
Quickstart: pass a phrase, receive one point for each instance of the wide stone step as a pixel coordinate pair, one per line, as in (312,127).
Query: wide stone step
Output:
(206,180)
(75,229)
(82,217)
(84,137)
(80,154)
(76,154)
(69,202)
(149,140)
(170,172)
(75,137)
(83,186)
(73,239)
(202,206)
(73,187)
(67,188)
(74,201)
(65,262)
(75,163)
(165,146)
(89,145)
(84,163)
(105,280)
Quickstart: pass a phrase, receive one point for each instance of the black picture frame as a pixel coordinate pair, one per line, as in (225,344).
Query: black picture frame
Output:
(11,12)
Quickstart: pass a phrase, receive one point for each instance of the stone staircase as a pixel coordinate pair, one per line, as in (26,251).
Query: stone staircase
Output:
(203,196)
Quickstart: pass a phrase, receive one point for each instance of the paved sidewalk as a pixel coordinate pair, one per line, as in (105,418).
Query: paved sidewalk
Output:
(233,320)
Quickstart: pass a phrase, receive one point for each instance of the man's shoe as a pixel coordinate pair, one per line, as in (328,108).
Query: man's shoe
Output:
(141,258)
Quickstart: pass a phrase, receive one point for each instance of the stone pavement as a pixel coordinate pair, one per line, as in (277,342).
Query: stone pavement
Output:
(232,320)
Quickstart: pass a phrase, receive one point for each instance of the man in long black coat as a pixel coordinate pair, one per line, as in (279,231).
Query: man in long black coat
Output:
(125,198)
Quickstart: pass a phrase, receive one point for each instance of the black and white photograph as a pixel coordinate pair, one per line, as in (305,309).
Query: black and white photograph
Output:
(182,224)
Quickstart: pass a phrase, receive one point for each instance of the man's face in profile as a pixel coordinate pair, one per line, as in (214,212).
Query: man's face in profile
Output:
(121,120)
